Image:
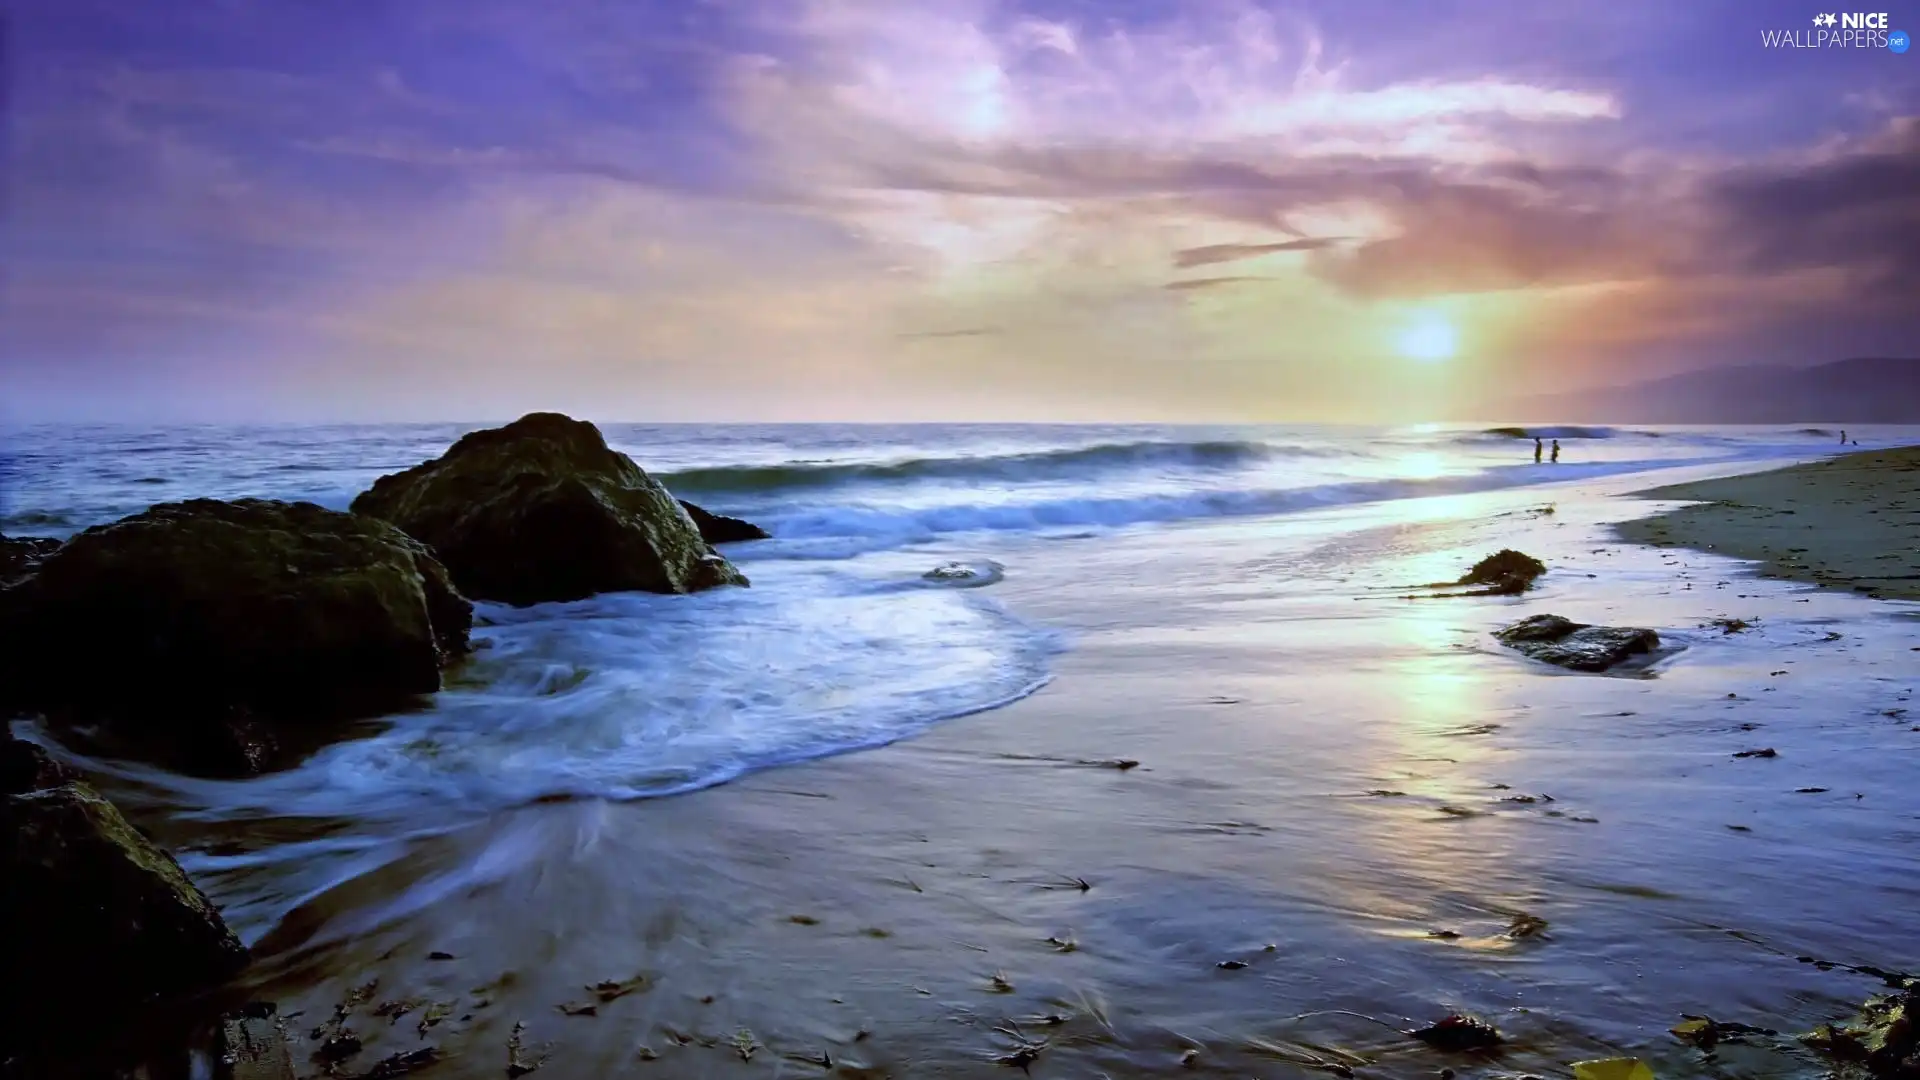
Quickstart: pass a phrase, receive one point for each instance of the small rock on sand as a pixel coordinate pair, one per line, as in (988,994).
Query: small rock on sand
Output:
(1557,640)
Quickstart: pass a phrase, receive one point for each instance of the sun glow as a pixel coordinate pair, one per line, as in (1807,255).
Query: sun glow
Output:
(1430,339)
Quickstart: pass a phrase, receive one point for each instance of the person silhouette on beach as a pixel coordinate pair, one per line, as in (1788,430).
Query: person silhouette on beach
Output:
(1843,437)
(1556,451)
(1536,449)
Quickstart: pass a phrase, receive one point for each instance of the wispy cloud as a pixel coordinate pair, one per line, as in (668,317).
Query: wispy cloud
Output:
(1219,253)
(1189,284)
(622,198)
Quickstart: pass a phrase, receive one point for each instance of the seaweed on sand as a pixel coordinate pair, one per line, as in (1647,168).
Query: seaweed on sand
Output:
(1504,573)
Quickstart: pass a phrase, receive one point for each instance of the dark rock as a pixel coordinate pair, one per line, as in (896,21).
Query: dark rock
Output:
(98,922)
(20,555)
(1577,646)
(253,1046)
(542,509)
(1505,572)
(25,767)
(721,529)
(210,627)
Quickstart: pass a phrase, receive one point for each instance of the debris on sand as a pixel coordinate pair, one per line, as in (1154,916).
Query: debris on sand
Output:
(1505,572)
(1730,626)
(435,1013)
(394,1010)
(1458,1031)
(337,1047)
(396,1065)
(253,1045)
(1023,1054)
(745,1044)
(579,1008)
(519,1061)
(1767,752)
(610,990)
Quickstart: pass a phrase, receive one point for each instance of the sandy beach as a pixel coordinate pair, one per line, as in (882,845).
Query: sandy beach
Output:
(1267,816)
(1851,522)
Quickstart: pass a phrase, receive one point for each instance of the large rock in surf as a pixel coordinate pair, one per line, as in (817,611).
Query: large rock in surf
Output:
(1577,646)
(721,529)
(197,629)
(98,923)
(542,509)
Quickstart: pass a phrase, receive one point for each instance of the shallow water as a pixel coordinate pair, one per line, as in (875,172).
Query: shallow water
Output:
(1325,769)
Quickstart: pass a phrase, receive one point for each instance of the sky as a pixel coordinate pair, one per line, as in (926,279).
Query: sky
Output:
(898,210)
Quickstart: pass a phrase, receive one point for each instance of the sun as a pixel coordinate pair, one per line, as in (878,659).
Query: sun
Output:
(1430,340)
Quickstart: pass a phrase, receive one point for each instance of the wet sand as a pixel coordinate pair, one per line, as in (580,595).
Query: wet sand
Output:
(1347,811)
(1850,522)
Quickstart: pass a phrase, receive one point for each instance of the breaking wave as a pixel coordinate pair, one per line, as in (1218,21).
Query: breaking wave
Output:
(1067,463)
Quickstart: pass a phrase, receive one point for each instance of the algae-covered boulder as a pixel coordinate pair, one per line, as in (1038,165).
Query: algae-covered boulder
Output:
(1557,640)
(542,509)
(721,529)
(1883,1041)
(194,623)
(97,921)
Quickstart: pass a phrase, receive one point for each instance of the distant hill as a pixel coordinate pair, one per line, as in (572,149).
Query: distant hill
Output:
(1880,390)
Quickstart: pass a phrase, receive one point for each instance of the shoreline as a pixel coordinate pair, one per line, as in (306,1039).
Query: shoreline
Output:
(1850,522)
(1262,804)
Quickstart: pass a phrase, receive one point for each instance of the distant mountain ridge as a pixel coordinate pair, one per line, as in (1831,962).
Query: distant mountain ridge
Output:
(1866,390)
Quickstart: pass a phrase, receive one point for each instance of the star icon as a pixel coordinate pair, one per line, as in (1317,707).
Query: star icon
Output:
(1830,20)
(1819,20)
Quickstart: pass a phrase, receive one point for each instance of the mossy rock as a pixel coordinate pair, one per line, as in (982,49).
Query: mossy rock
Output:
(207,624)
(99,923)
(543,510)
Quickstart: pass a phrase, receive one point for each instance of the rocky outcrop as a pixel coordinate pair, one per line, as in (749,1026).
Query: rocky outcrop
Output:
(20,555)
(99,923)
(204,631)
(1577,646)
(721,529)
(1883,1041)
(542,509)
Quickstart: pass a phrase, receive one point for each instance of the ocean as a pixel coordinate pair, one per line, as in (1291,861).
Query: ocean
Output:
(1213,602)
(625,696)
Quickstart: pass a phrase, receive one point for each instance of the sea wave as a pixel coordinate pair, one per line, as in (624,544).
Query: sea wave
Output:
(825,532)
(1557,432)
(1065,463)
